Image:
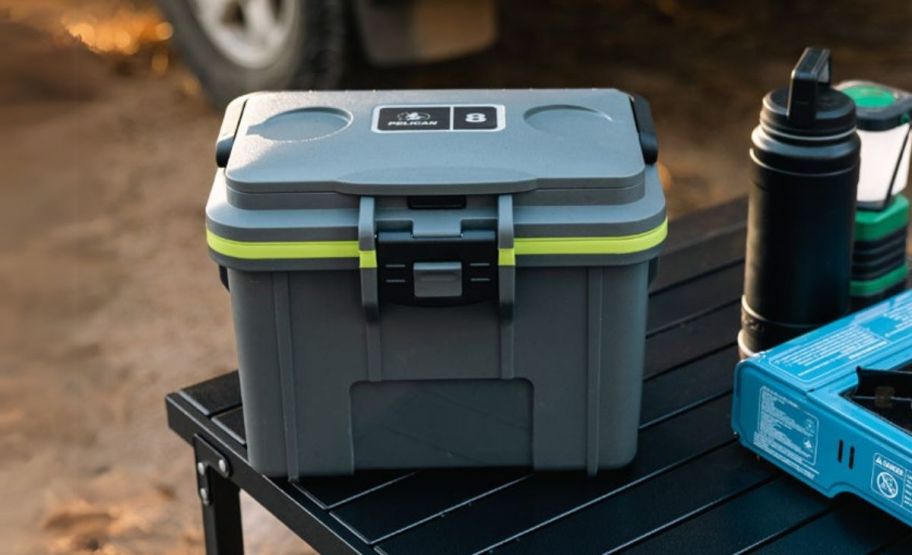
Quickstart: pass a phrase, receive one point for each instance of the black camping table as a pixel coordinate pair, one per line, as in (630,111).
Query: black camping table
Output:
(691,489)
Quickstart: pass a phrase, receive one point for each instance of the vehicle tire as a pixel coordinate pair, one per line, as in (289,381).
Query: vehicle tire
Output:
(235,47)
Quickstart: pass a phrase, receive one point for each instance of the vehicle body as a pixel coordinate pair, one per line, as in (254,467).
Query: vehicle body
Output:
(238,46)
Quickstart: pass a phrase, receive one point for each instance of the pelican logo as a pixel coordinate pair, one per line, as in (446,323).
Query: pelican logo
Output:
(413,116)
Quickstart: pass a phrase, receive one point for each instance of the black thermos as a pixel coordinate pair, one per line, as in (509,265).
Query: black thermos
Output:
(805,156)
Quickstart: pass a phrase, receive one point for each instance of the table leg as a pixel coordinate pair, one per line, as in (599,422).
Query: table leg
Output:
(221,503)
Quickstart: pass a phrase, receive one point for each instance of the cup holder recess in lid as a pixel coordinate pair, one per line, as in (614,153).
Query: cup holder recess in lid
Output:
(306,124)
(567,120)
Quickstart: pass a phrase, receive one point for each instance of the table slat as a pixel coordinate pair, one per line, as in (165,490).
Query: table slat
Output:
(853,527)
(692,340)
(744,522)
(546,496)
(655,504)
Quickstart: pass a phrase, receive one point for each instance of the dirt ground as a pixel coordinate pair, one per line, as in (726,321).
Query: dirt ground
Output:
(108,300)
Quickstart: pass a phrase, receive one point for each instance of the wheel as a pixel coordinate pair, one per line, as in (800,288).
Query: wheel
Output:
(239,46)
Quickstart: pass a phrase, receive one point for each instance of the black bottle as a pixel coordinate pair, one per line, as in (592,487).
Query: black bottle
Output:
(805,156)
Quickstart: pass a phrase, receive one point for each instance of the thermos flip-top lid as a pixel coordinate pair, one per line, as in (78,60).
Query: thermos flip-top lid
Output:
(809,106)
(435,142)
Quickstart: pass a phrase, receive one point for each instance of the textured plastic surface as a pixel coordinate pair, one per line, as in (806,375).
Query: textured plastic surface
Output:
(577,341)
(791,406)
(326,141)
(500,324)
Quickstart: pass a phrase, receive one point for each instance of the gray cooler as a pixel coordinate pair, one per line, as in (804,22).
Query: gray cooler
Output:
(438,278)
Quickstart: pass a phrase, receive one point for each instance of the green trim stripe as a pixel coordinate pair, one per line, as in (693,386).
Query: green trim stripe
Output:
(282,250)
(878,285)
(622,244)
(285,250)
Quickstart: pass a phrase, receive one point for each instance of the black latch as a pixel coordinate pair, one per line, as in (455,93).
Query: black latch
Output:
(437,271)
(887,393)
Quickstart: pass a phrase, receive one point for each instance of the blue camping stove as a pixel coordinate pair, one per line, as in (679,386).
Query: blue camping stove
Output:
(834,407)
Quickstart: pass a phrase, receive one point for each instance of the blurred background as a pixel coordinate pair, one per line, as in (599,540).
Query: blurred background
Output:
(108,300)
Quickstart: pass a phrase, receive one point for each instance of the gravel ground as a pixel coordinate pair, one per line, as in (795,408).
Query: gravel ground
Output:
(107,297)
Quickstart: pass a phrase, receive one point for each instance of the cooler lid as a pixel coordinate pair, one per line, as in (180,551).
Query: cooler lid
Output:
(435,142)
